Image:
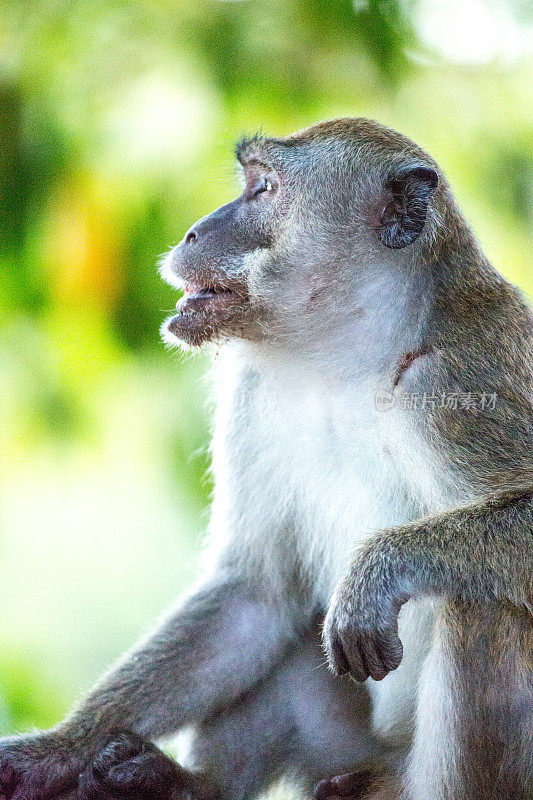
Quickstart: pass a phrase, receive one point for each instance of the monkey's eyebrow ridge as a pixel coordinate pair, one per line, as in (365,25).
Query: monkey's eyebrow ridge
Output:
(249,151)
(245,145)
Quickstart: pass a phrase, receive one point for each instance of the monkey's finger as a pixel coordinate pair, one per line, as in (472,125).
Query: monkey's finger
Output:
(352,649)
(337,657)
(146,775)
(345,787)
(323,789)
(391,651)
(371,657)
(120,747)
(352,783)
(139,772)
(91,787)
(326,790)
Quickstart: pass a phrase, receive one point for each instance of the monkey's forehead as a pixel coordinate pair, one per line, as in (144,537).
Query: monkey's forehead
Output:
(355,131)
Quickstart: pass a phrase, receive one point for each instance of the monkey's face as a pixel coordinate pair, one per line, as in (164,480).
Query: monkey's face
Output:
(217,259)
(286,260)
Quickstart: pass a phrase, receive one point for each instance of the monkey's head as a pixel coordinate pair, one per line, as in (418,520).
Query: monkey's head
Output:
(322,213)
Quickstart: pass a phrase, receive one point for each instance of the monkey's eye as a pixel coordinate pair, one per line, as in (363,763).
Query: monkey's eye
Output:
(264,185)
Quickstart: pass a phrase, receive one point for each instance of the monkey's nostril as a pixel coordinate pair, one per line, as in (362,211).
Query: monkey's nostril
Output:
(191,237)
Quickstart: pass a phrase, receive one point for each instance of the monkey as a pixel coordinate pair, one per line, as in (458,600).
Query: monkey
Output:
(372,455)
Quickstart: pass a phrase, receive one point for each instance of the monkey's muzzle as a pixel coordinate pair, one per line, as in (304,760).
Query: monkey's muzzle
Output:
(205,311)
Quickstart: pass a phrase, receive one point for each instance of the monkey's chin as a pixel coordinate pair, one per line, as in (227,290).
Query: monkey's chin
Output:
(202,316)
(182,331)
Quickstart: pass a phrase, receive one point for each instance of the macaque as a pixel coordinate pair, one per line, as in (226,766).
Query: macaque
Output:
(373,463)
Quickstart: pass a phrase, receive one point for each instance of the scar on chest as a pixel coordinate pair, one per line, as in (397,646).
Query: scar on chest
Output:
(407,361)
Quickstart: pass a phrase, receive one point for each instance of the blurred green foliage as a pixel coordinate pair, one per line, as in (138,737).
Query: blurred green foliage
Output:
(117,119)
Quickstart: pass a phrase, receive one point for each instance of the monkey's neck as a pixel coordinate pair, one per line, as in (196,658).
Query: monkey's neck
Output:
(360,340)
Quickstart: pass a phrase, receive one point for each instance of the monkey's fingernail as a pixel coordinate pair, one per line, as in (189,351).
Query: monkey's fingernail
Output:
(321,790)
(358,674)
(325,790)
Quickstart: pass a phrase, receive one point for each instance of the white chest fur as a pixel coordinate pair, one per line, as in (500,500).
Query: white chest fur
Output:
(354,471)
(348,469)
(342,470)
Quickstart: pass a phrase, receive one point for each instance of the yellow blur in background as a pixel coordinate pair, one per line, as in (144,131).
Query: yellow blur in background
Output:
(117,120)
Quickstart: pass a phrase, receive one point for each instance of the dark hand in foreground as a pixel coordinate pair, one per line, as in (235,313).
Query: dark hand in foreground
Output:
(125,767)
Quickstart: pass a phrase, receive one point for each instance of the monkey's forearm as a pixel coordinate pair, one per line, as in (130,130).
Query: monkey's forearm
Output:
(224,639)
(479,552)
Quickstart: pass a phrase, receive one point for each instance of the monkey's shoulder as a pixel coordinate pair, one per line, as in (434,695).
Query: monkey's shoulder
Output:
(475,405)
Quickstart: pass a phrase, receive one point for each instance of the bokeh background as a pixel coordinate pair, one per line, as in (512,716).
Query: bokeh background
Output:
(117,120)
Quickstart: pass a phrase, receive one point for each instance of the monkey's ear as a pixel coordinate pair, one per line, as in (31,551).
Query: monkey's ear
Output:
(404,205)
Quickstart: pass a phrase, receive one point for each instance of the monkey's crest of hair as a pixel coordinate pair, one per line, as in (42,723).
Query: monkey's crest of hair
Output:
(358,131)
(247,142)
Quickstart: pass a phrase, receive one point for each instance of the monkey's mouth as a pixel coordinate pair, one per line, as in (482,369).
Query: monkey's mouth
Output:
(203,299)
(205,312)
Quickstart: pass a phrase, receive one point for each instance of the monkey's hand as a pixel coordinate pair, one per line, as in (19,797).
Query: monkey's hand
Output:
(39,765)
(50,765)
(361,626)
(130,767)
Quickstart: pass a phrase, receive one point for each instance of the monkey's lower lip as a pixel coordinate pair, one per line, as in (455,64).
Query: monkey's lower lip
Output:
(203,312)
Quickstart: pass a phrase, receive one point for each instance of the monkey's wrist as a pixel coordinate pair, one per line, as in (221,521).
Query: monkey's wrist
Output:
(81,734)
(379,582)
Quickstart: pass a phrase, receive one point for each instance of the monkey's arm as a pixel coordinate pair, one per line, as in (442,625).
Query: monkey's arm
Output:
(479,553)
(224,639)
(220,642)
